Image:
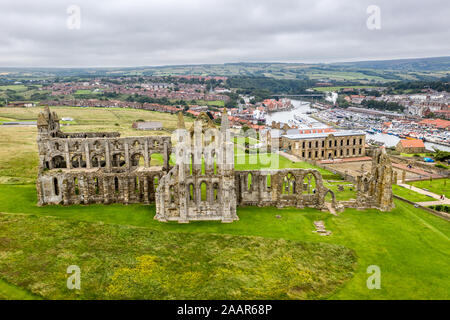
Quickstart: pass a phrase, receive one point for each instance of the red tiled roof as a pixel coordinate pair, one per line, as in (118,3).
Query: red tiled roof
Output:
(406,143)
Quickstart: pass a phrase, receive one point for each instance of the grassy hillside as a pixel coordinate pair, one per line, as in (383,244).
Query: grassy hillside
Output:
(363,71)
(120,262)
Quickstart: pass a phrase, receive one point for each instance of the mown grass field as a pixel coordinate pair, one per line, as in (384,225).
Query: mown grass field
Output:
(124,253)
(410,194)
(437,186)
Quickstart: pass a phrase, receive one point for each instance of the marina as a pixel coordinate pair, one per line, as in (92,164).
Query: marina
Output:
(373,126)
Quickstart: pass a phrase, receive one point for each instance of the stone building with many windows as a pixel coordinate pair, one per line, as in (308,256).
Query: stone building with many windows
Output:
(321,146)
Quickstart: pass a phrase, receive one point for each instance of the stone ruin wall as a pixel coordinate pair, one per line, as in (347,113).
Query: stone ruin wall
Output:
(282,188)
(83,168)
(201,161)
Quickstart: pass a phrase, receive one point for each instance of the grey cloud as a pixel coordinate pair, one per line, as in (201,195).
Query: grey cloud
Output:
(158,32)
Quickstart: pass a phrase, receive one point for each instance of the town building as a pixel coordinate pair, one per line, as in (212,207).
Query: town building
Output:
(410,146)
(321,146)
(147,125)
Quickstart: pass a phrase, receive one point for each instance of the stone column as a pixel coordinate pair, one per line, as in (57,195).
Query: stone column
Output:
(106,188)
(146,193)
(88,155)
(166,157)
(107,155)
(84,186)
(67,155)
(146,155)
(126,191)
(127,155)
(65,191)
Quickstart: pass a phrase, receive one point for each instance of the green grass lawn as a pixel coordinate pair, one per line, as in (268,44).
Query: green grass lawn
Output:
(122,262)
(409,245)
(245,161)
(410,194)
(216,103)
(438,186)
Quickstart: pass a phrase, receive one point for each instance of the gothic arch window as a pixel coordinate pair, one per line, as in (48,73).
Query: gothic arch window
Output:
(155,183)
(137,160)
(116,185)
(136,185)
(268,181)
(309,184)
(172,194)
(98,161)
(216,192)
(96,186)
(75,186)
(156,159)
(191,193)
(118,160)
(203,191)
(288,184)
(55,186)
(249,181)
(76,161)
(59,162)
(191,164)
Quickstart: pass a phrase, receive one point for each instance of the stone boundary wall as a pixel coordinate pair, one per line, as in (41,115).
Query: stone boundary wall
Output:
(421,165)
(440,214)
(345,176)
(281,188)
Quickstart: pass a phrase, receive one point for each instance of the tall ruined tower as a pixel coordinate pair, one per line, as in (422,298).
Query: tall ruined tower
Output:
(201,186)
(375,187)
(47,124)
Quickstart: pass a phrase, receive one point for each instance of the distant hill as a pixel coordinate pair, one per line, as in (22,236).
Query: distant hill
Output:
(367,72)
(419,64)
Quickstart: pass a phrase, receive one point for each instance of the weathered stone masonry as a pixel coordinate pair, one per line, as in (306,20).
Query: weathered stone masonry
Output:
(97,167)
(84,168)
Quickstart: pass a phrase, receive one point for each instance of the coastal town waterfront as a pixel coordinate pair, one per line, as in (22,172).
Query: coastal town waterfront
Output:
(303,109)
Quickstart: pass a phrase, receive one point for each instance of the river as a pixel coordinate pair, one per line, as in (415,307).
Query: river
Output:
(302,107)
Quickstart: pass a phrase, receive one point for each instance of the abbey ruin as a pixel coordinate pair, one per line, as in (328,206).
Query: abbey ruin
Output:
(202,184)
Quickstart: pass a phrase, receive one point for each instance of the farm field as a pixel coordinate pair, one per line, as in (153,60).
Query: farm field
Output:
(340,87)
(124,253)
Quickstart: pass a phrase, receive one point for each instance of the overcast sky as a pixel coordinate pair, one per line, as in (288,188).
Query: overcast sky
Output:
(161,32)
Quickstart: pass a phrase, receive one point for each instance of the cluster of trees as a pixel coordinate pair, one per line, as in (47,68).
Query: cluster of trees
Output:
(263,88)
(441,155)
(383,105)
(441,85)
(164,100)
